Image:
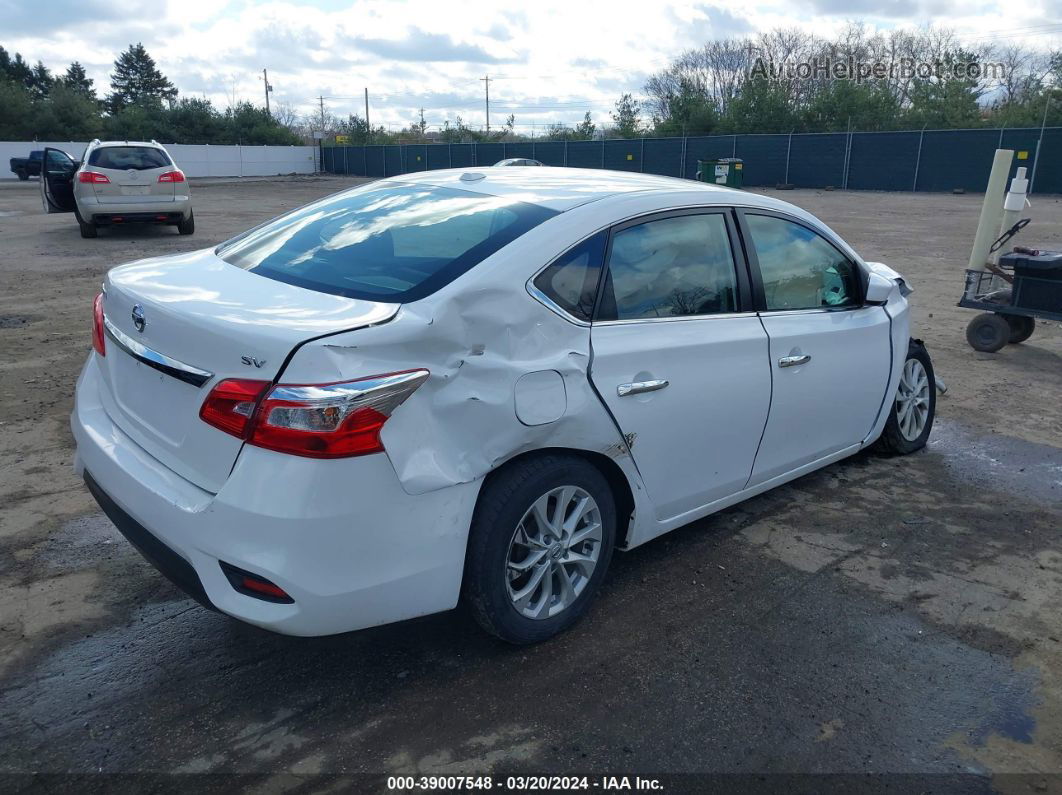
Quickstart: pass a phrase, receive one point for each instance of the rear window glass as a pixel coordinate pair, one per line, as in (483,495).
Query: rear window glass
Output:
(384,241)
(139,158)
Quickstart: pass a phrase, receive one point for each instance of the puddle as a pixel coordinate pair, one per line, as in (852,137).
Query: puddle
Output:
(1001,463)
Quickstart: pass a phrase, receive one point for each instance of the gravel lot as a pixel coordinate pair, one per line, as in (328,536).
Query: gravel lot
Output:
(881,615)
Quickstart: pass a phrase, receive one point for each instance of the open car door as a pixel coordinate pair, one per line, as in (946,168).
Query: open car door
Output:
(57,181)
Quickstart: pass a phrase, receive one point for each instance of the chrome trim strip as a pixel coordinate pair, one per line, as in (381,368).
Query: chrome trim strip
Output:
(550,304)
(813,310)
(159,361)
(680,318)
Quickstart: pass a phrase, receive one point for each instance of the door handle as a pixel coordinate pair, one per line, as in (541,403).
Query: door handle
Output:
(793,361)
(638,387)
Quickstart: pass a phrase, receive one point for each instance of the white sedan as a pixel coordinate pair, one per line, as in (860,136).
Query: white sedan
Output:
(477,385)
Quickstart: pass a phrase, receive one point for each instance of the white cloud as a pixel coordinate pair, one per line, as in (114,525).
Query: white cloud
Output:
(550,61)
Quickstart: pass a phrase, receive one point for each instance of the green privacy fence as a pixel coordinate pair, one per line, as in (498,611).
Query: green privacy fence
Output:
(920,160)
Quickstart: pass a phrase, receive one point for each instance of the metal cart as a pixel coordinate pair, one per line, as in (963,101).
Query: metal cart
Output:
(1023,287)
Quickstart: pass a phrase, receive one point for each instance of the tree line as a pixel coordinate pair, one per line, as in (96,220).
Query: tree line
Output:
(142,104)
(739,85)
(726,86)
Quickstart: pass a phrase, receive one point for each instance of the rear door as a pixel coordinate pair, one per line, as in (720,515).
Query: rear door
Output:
(680,358)
(57,181)
(830,354)
(132,173)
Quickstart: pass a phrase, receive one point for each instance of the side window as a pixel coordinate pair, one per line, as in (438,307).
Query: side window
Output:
(571,280)
(800,269)
(672,267)
(59,161)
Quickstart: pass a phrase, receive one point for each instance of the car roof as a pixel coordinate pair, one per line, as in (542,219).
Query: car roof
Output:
(564,188)
(150,144)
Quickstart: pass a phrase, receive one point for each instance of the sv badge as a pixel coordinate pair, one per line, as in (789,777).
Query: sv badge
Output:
(249,360)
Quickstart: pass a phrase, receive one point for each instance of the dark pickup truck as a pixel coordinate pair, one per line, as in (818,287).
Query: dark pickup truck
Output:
(26,167)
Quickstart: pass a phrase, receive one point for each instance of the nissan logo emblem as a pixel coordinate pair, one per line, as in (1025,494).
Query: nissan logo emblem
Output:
(138,318)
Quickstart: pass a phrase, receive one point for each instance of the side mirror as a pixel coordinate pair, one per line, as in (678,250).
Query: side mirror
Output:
(879,289)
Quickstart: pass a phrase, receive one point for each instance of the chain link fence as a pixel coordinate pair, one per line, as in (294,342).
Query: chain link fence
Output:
(917,160)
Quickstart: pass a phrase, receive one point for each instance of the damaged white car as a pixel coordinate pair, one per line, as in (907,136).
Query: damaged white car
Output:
(460,385)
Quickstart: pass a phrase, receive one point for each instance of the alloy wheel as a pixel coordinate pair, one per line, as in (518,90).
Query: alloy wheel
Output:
(553,552)
(912,400)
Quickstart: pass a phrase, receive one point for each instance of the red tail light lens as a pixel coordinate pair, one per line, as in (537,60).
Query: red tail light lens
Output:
(172,176)
(313,420)
(99,342)
(230,405)
(92,176)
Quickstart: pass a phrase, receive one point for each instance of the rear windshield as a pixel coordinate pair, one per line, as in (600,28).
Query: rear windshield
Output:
(384,241)
(139,158)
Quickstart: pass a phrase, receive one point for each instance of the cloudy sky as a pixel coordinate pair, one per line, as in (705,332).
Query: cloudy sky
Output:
(549,61)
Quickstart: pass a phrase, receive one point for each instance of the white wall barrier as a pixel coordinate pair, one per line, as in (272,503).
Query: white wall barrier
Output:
(195,160)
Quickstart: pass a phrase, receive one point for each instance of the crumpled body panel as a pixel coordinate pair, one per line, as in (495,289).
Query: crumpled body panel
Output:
(478,337)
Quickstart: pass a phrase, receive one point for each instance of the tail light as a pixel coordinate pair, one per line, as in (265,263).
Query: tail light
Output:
(92,176)
(99,343)
(314,420)
(172,176)
(230,405)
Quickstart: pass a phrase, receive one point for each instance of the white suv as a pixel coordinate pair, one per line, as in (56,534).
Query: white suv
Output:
(117,182)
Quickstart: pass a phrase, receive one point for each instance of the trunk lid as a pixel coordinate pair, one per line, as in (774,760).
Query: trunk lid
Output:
(178,325)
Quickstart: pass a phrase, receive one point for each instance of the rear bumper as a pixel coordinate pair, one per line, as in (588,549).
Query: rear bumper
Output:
(146,208)
(176,569)
(341,537)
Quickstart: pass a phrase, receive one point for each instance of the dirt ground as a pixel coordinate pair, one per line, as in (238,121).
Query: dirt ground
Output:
(881,615)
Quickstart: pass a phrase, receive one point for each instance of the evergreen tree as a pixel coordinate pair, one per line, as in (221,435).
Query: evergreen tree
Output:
(40,81)
(137,81)
(584,130)
(15,69)
(78,81)
(626,117)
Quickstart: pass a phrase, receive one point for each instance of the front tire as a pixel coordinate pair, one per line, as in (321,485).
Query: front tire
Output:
(915,406)
(186,226)
(540,543)
(988,332)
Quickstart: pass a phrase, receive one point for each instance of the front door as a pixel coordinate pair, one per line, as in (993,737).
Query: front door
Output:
(679,357)
(830,354)
(57,181)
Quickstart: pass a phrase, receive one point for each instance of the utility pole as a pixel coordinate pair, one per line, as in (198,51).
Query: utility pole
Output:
(486,88)
(320,100)
(268,88)
(369,126)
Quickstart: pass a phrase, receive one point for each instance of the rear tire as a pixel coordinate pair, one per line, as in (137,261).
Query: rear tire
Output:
(988,332)
(528,579)
(1021,327)
(187,225)
(22,175)
(88,228)
(914,407)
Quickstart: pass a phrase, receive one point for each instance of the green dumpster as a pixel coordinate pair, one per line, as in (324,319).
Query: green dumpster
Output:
(722,171)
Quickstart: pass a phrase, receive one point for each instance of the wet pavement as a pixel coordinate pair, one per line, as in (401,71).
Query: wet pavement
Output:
(897,616)
(770,638)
